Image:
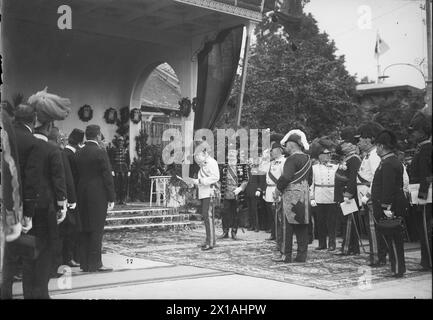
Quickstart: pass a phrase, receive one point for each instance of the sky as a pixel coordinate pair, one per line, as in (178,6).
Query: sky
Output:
(399,23)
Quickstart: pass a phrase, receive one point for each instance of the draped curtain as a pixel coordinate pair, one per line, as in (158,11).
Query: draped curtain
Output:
(217,65)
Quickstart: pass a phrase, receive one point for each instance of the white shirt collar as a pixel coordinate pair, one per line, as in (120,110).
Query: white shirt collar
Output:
(40,136)
(94,141)
(71,148)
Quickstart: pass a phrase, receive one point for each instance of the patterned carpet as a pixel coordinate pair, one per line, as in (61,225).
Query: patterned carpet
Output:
(250,256)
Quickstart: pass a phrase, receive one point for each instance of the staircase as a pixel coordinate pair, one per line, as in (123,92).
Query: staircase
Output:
(143,216)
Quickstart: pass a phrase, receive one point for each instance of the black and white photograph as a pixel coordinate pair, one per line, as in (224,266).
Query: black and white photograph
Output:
(216,155)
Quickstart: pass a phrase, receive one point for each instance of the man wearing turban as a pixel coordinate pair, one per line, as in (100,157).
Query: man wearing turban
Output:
(50,206)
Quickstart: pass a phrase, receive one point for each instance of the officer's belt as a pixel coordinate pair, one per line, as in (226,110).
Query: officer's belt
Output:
(324,185)
(363,181)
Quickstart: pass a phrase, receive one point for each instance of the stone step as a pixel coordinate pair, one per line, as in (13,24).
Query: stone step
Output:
(148,219)
(158,226)
(143,211)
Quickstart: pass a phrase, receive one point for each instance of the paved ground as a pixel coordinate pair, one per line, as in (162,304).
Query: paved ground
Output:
(138,277)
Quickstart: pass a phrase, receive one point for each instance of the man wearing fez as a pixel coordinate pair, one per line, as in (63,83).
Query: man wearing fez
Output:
(120,164)
(388,197)
(72,223)
(294,187)
(420,173)
(50,209)
(366,134)
(346,189)
(95,196)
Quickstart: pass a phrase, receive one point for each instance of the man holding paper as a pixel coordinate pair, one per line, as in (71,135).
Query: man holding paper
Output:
(420,174)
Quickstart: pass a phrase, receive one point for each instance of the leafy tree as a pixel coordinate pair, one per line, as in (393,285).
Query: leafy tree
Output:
(295,80)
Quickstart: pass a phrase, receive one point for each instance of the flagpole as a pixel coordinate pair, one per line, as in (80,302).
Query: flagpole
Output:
(377,57)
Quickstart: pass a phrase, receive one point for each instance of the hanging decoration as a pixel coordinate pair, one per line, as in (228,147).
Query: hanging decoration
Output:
(135,115)
(124,114)
(185,107)
(85,113)
(110,116)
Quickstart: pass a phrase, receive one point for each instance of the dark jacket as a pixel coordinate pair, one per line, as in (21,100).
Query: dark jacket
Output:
(242,175)
(345,180)
(296,163)
(70,184)
(51,190)
(420,169)
(387,185)
(26,143)
(72,164)
(95,186)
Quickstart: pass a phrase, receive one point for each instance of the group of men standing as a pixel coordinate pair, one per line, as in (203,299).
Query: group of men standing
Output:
(66,193)
(304,180)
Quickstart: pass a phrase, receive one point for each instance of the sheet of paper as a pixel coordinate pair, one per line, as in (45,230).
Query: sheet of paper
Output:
(349,208)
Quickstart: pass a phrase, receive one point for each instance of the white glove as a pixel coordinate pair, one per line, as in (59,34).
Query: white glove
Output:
(388,213)
(347,200)
(129,173)
(194,181)
(61,215)
(258,193)
(313,203)
(110,206)
(237,190)
(72,206)
(112,173)
(13,232)
(26,224)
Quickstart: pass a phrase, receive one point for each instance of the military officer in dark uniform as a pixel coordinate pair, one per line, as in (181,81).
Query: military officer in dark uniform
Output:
(72,223)
(346,189)
(50,209)
(234,179)
(388,197)
(420,172)
(120,164)
(95,196)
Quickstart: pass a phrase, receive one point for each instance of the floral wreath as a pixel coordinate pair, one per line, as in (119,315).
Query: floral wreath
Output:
(135,115)
(185,106)
(110,115)
(85,113)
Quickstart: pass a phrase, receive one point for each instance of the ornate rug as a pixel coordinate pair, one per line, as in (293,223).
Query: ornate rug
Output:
(251,257)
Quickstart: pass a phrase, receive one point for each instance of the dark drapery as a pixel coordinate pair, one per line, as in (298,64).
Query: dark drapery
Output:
(217,65)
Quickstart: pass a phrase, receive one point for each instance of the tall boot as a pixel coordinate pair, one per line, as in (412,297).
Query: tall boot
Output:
(225,234)
(234,231)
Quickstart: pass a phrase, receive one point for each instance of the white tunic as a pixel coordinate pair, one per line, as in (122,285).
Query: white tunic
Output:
(366,171)
(208,175)
(276,168)
(322,186)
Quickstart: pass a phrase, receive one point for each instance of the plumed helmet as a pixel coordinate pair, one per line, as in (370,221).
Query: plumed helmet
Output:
(369,129)
(422,122)
(319,145)
(298,137)
(388,139)
(49,107)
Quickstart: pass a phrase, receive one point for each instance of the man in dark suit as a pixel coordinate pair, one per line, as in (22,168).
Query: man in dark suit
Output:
(95,195)
(72,224)
(24,122)
(50,208)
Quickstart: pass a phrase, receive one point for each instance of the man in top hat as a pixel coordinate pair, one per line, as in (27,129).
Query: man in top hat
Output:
(420,175)
(95,196)
(294,186)
(272,202)
(322,193)
(366,133)
(346,189)
(120,164)
(50,209)
(388,198)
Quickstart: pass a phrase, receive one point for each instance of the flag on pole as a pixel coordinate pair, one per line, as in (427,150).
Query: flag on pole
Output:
(381,46)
